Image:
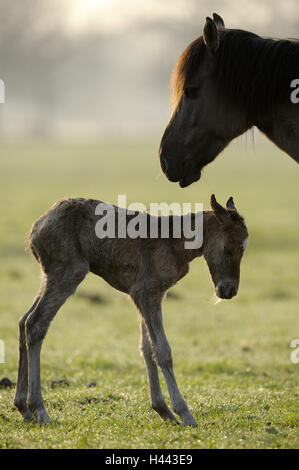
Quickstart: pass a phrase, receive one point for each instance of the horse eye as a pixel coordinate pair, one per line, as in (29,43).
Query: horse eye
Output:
(190,92)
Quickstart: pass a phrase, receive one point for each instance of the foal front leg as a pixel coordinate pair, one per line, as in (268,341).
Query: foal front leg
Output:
(157,399)
(152,315)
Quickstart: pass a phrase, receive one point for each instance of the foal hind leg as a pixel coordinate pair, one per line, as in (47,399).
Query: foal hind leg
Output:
(59,286)
(20,399)
(157,399)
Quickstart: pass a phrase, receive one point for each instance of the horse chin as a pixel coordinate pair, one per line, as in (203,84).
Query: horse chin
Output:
(184,184)
(189,179)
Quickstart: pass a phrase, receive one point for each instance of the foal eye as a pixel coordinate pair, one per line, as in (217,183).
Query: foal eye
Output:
(190,91)
(227,251)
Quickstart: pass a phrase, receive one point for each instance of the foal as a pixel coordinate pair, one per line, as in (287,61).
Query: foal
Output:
(64,242)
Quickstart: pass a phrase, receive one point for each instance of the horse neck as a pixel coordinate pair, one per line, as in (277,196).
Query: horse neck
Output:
(282,128)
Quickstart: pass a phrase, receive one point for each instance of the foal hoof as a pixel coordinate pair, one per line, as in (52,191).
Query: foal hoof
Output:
(165,413)
(42,417)
(190,421)
(171,418)
(22,407)
(28,416)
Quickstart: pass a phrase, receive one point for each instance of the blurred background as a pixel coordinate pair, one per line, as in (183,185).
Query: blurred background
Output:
(85,68)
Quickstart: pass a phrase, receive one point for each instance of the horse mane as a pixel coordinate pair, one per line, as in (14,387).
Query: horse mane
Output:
(185,67)
(252,72)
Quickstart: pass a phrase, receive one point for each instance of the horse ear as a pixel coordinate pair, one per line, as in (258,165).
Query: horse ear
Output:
(218,210)
(230,204)
(219,21)
(211,35)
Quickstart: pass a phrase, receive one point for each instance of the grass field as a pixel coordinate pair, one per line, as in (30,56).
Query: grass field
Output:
(232,360)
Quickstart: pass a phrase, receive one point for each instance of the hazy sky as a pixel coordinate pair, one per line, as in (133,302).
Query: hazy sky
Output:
(111,14)
(104,66)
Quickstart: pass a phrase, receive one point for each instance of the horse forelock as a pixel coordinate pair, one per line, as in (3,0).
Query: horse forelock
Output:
(186,65)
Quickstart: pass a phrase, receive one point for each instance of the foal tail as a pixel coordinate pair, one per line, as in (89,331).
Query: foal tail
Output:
(54,237)
(32,240)
(32,250)
(42,236)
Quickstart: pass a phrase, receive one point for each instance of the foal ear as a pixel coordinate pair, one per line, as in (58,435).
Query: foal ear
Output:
(218,210)
(211,35)
(219,21)
(230,204)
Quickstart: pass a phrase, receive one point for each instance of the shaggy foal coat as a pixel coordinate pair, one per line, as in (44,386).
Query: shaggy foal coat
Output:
(64,242)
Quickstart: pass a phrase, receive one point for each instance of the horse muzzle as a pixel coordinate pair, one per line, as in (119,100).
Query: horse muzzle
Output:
(226,290)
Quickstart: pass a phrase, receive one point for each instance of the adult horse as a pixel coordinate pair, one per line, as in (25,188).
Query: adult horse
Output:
(225,82)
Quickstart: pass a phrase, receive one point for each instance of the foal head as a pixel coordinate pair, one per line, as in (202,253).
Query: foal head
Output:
(225,239)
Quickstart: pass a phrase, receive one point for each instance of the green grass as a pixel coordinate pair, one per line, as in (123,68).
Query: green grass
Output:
(232,360)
